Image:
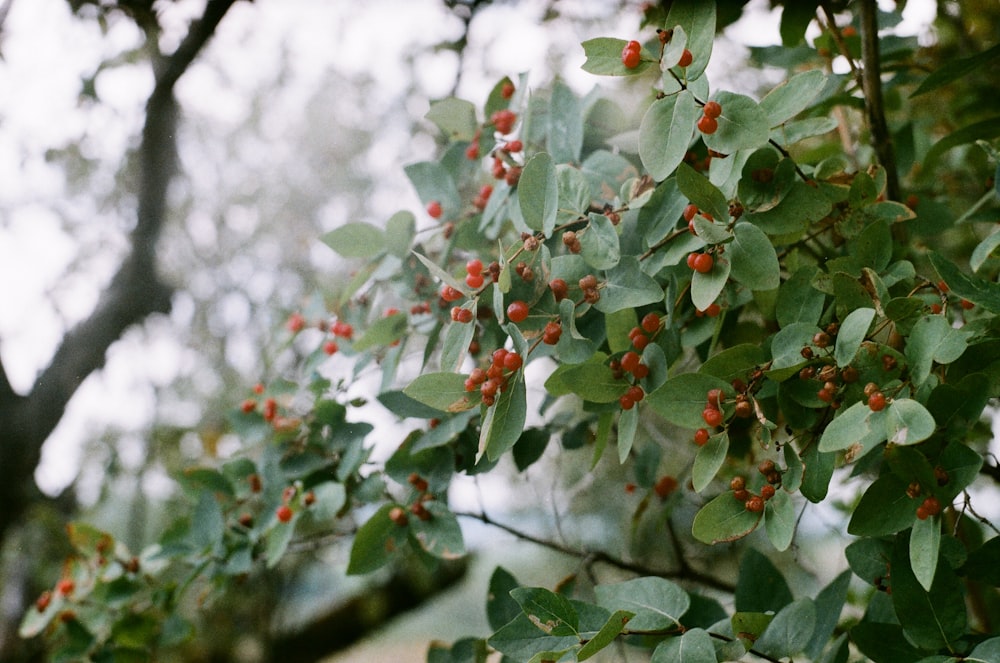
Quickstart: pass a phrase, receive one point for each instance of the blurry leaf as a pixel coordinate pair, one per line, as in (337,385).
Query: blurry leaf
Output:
(984,250)
(375,542)
(551,613)
(440,535)
(504,421)
(455,117)
(599,244)
(795,18)
(697,19)
(434,182)
(609,632)
(790,630)
(760,586)
(779,520)
(564,137)
(383,332)
(356,240)
(983,130)
(501,608)
(953,70)
(399,233)
(278,539)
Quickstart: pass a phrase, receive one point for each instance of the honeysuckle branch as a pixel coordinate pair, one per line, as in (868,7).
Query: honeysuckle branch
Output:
(684,572)
(874,104)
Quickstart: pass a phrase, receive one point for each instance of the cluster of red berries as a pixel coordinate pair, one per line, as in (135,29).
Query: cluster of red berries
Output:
(483,197)
(493,380)
(630,362)
(631,54)
(503,120)
(700,262)
(712,414)
(876,399)
(551,332)
(931,506)
(523,270)
(708,123)
(474,273)
(643,333)
(588,284)
(751,502)
(571,241)
(690,212)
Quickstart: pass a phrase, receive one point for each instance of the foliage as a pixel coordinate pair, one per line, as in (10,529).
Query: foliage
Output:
(750,288)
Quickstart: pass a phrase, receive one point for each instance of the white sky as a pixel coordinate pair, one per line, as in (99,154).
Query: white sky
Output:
(47,52)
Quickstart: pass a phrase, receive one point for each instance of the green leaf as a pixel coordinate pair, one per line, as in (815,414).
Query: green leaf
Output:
(697,18)
(754,262)
(628,423)
(457,337)
(695,646)
(375,542)
(593,382)
(399,232)
(856,427)
(798,300)
(743,125)
(981,563)
(278,539)
(953,70)
(702,193)
(748,626)
(760,586)
(564,137)
(792,96)
(521,640)
(985,652)
(208,525)
(829,604)
(706,288)
(724,519)
(883,643)
(925,542)
(790,631)
(908,422)
(795,19)
(657,603)
(433,181)
(931,620)
(884,509)
(604,58)
(440,535)
(853,330)
(456,118)
(984,250)
(983,130)
(501,608)
(665,133)
(779,520)
(443,391)
(681,399)
(609,632)
(383,332)
(817,471)
(599,244)
(627,286)
(356,240)
(801,206)
(734,362)
(504,421)
(551,613)
(708,460)
(538,193)
(933,339)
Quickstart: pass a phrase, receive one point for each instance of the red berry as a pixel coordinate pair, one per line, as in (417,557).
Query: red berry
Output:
(489,388)
(248,406)
(690,211)
(632,46)
(449,294)
(922,513)
(712,416)
(713,398)
(474,266)
(665,486)
(755,504)
(966,304)
(559,289)
(345,329)
(517,311)
(707,125)
(641,371)
(552,332)
(503,120)
(932,506)
(691,258)
(472,151)
(330,347)
(512,361)
(485,191)
(513,176)
(474,281)
(737,483)
(640,342)
(65,586)
(295,323)
(877,401)
(434,209)
(43,601)
(631,58)
(767,491)
(701,437)
(507,90)
(635,392)
(686,59)
(702,263)
(650,323)
(630,361)
(398,515)
(712,109)
(498,356)
(284,513)
(713,310)
(462,315)
(625,402)
(515,146)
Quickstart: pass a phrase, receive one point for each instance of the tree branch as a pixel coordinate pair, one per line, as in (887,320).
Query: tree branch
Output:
(685,572)
(871,75)
(135,292)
